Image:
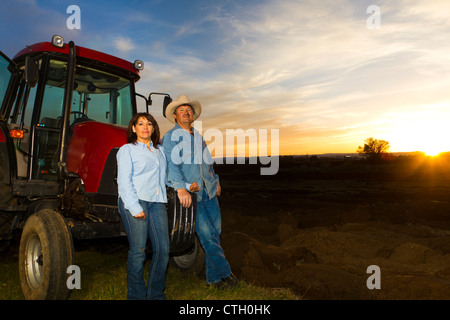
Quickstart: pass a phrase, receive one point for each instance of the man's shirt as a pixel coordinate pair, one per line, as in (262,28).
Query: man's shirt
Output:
(189,161)
(141,175)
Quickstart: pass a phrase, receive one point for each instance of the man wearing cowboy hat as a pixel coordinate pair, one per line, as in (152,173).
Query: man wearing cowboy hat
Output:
(189,167)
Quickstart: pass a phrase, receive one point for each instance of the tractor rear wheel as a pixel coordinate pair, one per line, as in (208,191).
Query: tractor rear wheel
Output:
(46,250)
(192,261)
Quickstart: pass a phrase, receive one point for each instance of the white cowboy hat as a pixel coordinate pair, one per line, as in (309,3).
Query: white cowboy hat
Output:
(182,101)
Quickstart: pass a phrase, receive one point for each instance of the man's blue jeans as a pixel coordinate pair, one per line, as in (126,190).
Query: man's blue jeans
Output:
(155,226)
(209,228)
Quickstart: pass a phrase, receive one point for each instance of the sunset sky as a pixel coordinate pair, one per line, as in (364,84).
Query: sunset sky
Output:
(314,70)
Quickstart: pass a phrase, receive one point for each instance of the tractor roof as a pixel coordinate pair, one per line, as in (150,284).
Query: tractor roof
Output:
(81,52)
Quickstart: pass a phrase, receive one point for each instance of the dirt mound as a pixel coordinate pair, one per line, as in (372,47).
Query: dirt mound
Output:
(321,246)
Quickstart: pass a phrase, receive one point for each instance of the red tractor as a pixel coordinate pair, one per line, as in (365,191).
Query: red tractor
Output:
(63,116)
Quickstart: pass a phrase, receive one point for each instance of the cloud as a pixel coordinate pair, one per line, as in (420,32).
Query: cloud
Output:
(123,45)
(352,70)
(312,69)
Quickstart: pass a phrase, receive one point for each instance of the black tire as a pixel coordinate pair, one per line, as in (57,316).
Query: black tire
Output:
(192,261)
(46,250)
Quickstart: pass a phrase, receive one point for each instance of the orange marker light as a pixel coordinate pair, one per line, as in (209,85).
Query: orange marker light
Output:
(14,133)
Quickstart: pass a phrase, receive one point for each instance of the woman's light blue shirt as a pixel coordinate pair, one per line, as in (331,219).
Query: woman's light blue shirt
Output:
(141,175)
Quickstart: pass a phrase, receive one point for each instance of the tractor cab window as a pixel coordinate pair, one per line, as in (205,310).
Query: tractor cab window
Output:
(4,76)
(20,118)
(102,97)
(47,131)
(97,96)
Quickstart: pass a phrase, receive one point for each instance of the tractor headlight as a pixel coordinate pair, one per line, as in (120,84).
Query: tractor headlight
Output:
(139,65)
(58,41)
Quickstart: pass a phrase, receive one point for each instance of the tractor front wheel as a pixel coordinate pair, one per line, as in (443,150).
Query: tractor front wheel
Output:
(46,250)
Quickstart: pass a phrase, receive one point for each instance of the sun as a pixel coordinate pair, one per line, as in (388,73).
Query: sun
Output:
(432,151)
(428,142)
(432,140)
(420,131)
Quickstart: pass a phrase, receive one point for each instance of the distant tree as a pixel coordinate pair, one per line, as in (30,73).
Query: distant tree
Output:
(374,149)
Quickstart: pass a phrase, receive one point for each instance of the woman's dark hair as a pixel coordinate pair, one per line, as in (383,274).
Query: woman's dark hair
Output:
(132,137)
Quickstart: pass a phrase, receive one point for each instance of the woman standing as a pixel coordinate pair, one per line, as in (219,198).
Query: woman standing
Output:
(141,181)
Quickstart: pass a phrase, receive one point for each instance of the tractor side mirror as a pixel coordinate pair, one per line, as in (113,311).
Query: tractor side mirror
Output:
(31,71)
(167,100)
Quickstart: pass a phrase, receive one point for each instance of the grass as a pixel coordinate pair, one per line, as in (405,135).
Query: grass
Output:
(9,278)
(103,277)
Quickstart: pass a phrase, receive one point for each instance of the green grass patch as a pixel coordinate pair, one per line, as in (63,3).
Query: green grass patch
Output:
(9,278)
(103,277)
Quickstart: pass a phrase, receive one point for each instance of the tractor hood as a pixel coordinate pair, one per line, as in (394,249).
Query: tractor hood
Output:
(89,148)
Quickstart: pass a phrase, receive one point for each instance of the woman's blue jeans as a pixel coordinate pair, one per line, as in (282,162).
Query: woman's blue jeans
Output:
(155,226)
(208,228)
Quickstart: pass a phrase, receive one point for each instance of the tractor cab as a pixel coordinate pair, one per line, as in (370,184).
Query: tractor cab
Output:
(60,89)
